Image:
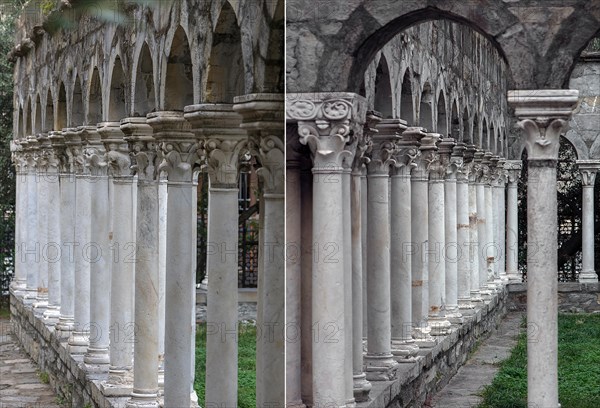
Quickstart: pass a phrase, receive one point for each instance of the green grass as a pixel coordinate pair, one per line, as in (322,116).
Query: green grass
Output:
(4,310)
(246,365)
(578,368)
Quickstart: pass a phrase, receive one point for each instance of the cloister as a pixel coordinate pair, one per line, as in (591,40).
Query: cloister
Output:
(406,124)
(113,123)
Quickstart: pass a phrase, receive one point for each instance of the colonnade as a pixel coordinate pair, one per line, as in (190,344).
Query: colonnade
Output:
(430,256)
(106,246)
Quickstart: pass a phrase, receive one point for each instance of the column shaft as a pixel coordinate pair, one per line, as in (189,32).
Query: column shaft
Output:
(588,176)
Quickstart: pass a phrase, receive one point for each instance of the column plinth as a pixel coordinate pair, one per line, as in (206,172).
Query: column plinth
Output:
(542,115)
(142,148)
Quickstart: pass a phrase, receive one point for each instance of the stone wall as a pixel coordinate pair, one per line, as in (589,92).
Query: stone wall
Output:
(417,382)
(573,297)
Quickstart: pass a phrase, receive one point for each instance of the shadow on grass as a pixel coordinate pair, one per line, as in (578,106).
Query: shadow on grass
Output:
(578,367)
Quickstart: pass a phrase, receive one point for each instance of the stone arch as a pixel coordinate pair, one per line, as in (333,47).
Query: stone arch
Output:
(27,118)
(225,78)
(144,100)
(407,99)
(426,107)
(61,108)
(476,131)
(116,98)
(467,136)
(492,139)
(485,141)
(78,109)
(49,112)
(95,98)
(578,144)
(37,125)
(19,125)
(274,77)
(178,86)
(442,117)
(455,122)
(383,101)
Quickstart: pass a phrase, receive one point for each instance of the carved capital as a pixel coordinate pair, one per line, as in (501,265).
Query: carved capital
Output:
(71,161)
(365,144)
(513,170)
(42,156)
(142,148)
(262,119)
(434,168)
(542,115)
(56,151)
(384,148)
(588,169)
(458,160)
(94,154)
(327,123)
(449,164)
(117,152)
(218,126)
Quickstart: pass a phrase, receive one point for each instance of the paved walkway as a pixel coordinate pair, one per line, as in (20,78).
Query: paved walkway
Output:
(20,386)
(464,388)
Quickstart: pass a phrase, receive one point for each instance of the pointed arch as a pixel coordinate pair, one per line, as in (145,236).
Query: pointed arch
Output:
(95,99)
(274,63)
(37,125)
(442,117)
(484,134)
(144,99)
(27,118)
(406,99)
(116,108)
(49,112)
(20,122)
(467,135)
(476,131)
(61,108)
(78,109)
(383,90)
(225,79)
(425,107)
(179,81)
(455,122)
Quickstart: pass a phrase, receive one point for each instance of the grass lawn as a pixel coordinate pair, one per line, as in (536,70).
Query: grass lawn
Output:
(578,367)
(246,365)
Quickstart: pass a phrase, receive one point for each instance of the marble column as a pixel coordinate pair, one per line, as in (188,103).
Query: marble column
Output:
(262,118)
(542,115)
(490,223)
(361,386)
(306,268)
(294,159)
(30,252)
(588,169)
(363,220)
(142,148)
(482,241)
(41,302)
(513,168)
(180,153)
(437,241)
(420,233)
(122,247)
(224,143)
(500,189)
(450,253)
(325,126)
(52,250)
(19,282)
(379,362)
(97,355)
(79,339)
(473,170)
(494,228)
(463,267)
(66,319)
(404,347)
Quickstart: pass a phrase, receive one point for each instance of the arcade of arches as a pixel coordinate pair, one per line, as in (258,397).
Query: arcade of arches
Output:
(405,130)
(112,125)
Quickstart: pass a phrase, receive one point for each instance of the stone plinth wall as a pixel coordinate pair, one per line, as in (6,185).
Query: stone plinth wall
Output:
(417,382)
(573,297)
(71,383)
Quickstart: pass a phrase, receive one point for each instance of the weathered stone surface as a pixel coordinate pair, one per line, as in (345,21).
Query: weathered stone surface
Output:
(573,297)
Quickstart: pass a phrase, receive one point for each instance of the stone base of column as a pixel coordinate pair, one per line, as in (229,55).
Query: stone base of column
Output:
(440,326)
(514,277)
(405,351)
(29,297)
(18,286)
(64,327)
(361,389)
(588,277)
(454,316)
(97,357)
(78,342)
(380,367)
(476,298)
(194,400)
(139,400)
(465,304)
(119,383)
(39,307)
(423,338)
(51,315)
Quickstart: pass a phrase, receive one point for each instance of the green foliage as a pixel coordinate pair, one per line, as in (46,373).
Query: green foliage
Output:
(44,377)
(578,367)
(246,365)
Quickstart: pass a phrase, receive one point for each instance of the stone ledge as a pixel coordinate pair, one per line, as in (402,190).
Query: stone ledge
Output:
(417,382)
(65,371)
(573,297)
